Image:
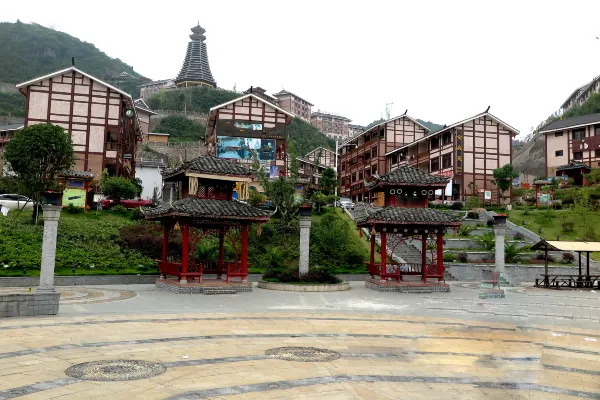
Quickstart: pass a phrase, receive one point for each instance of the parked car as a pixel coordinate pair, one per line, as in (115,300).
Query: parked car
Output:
(133,203)
(346,203)
(16,201)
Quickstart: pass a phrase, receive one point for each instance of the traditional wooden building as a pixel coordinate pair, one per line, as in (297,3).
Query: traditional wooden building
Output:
(405,218)
(7,132)
(144,113)
(195,70)
(100,118)
(467,151)
(205,186)
(363,155)
(246,127)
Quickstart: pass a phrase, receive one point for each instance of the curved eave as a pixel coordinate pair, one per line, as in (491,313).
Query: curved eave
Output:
(370,222)
(241,177)
(384,185)
(229,218)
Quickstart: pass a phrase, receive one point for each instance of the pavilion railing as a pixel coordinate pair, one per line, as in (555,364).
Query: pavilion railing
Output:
(396,270)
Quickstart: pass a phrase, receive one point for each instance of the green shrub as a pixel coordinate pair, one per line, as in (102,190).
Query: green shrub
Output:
(314,275)
(487,240)
(120,210)
(472,215)
(465,231)
(449,257)
(461,257)
(137,214)
(118,187)
(457,205)
(71,209)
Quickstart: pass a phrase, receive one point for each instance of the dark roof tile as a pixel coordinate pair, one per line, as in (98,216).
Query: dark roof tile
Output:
(410,216)
(210,165)
(571,122)
(573,165)
(407,175)
(77,174)
(195,207)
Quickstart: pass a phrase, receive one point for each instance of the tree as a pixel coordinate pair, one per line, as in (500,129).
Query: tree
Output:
(328,181)
(37,154)
(319,199)
(504,177)
(255,198)
(118,188)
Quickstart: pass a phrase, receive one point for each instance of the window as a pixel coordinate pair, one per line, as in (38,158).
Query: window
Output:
(597,131)
(558,134)
(447,160)
(374,151)
(435,164)
(558,153)
(597,153)
(579,135)
(435,143)
(578,155)
(394,159)
(446,139)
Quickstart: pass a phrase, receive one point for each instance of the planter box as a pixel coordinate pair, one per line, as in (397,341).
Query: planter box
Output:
(291,287)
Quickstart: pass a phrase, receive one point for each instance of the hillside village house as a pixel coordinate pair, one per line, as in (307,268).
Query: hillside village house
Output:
(467,151)
(101,119)
(312,165)
(294,104)
(572,146)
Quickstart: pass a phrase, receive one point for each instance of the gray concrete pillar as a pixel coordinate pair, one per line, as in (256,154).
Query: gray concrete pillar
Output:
(305,221)
(51,216)
(500,232)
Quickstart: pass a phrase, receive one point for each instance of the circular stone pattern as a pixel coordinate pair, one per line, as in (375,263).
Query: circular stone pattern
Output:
(304,354)
(115,370)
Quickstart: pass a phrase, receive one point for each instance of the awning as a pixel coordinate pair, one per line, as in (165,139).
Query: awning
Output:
(554,245)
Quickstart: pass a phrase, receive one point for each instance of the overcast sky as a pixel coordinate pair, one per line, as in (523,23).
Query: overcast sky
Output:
(444,61)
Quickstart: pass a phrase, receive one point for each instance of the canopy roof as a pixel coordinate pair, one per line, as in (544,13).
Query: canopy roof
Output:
(76,174)
(553,245)
(409,216)
(573,165)
(210,167)
(406,175)
(208,209)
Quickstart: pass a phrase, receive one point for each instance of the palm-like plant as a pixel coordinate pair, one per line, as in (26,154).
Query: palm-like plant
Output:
(465,231)
(487,240)
(512,252)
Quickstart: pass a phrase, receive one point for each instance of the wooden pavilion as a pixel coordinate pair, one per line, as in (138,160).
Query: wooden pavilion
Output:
(406,219)
(205,186)
(580,280)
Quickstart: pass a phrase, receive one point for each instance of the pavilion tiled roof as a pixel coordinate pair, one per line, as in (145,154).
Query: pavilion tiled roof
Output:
(194,207)
(407,175)
(76,174)
(573,165)
(209,165)
(410,216)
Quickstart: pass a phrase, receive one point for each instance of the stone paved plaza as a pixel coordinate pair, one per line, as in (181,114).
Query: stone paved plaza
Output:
(130,342)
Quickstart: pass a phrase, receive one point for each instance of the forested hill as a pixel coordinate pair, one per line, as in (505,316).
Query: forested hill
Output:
(31,50)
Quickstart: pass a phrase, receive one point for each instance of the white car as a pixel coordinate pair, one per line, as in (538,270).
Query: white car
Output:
(15,201)
(346,203)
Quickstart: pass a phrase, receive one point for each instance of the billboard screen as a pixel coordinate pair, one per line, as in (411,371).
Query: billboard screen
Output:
(243,148)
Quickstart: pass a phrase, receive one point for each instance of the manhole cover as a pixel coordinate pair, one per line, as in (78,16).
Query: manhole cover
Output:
(115,370)
(306,354)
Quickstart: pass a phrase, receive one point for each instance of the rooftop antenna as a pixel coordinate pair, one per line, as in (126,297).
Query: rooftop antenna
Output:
(388,110)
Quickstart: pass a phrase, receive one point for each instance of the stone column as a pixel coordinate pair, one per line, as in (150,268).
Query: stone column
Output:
(305,221)
(51,216)
(499,231)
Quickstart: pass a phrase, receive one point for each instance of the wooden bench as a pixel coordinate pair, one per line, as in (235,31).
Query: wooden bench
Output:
(577,281)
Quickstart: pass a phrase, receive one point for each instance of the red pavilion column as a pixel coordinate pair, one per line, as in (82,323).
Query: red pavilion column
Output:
(164,247)
(221,253)
(383,256)
(245,253)
(372,257)
(440,255)
(185,229)
(424,257)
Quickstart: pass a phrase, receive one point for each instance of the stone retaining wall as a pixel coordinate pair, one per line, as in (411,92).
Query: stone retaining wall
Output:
(290,287)
(27,304)
(514,274)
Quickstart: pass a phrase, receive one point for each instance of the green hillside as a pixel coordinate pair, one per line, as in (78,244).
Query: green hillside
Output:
(31,50)
(303,136)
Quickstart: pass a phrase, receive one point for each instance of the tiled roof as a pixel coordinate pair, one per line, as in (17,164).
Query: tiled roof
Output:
(210,165)
(411,216)
(407,175)
(574,122)
(77,174)
(11,127)
(195,207)
(573,165)
(541,182)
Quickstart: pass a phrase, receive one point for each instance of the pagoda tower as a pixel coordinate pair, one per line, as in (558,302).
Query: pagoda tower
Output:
(195,70)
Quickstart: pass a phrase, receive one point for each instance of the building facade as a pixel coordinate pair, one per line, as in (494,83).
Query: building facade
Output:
(363,156)
(249,127)
(581,94)
(312,165)
(573,140)
(334,126)
(262,93)
(151,88)
(100,118)
(467,151)
(6,134)
(144,113)
(195,70)
(294,104)
(354,130)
